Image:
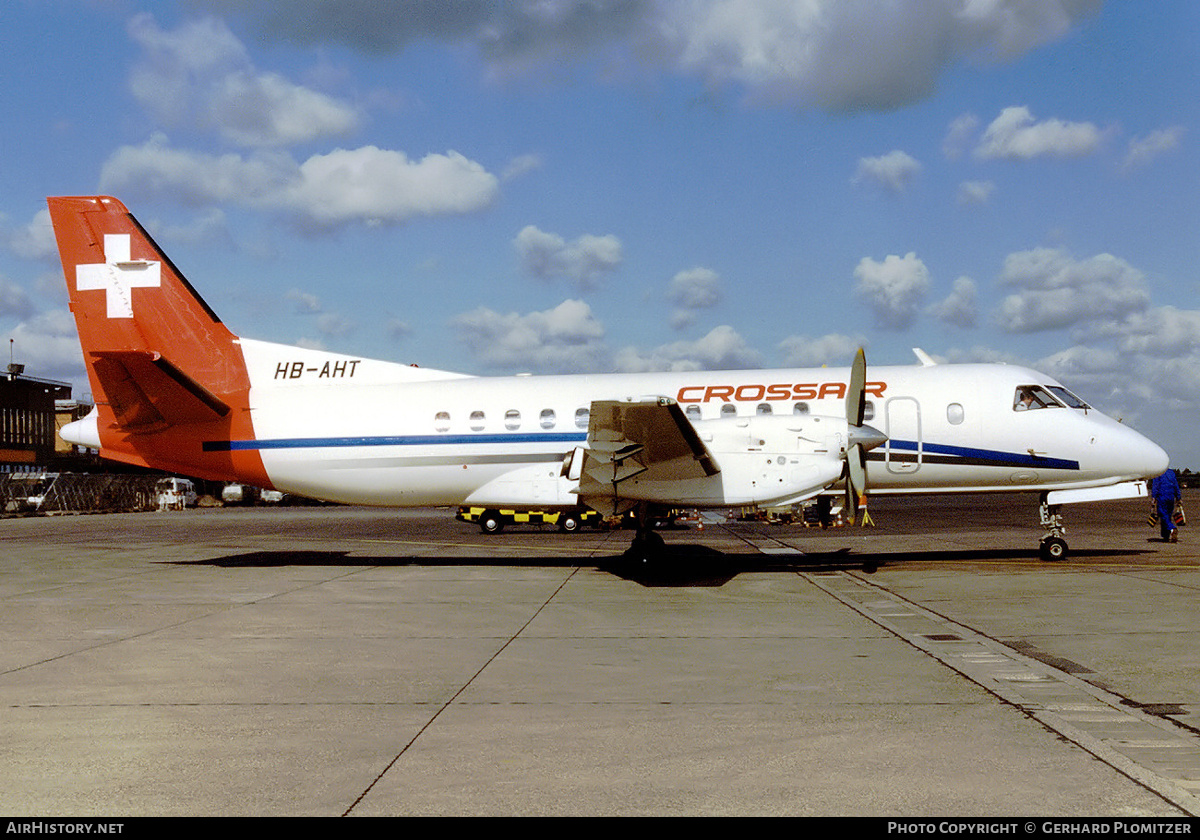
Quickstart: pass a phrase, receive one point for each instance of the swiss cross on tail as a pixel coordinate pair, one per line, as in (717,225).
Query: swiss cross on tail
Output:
(117,275)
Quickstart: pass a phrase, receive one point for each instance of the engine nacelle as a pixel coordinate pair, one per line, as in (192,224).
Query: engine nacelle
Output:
(769,459)
(762,460)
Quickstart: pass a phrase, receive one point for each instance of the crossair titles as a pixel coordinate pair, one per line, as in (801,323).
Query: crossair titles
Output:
(779,391)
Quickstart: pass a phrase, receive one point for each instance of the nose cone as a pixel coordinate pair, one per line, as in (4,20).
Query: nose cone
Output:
(1142,457)
(1156,459)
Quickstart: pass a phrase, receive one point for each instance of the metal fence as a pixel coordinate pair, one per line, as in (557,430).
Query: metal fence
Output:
(53,492)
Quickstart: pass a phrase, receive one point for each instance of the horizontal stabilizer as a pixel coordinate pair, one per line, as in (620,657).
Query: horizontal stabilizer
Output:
(147,393)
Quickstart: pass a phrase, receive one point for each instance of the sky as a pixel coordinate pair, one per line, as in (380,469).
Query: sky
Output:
(557,186)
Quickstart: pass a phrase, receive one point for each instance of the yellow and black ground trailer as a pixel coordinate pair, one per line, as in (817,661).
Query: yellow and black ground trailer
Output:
(493,520)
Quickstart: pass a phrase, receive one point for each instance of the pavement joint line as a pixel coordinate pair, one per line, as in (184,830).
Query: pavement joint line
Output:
(1009,671)
(451,701)
(763,543)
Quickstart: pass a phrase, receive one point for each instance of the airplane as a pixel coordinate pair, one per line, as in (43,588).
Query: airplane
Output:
(176,390)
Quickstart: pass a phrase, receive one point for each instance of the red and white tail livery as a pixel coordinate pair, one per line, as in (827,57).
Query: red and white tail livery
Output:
(176,390)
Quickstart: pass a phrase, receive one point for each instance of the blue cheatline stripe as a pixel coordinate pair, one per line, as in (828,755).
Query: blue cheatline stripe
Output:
(393,440)
(943,454)
(931,452)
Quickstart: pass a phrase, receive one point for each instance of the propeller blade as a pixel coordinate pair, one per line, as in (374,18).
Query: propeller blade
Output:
(856,391)
(860,438)
(856,480)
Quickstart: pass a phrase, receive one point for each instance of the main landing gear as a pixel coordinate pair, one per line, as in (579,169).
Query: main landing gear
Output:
(647,546)
(1054,544)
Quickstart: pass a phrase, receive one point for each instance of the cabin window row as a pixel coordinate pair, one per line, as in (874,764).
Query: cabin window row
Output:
(548,419)
(801,408)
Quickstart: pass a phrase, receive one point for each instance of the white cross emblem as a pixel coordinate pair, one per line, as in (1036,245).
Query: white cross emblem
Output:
(117,275)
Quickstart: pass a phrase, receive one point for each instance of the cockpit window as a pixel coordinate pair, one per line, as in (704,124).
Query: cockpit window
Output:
(1029,397)
(1067,397)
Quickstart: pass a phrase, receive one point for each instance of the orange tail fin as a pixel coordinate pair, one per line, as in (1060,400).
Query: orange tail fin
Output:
(166,373)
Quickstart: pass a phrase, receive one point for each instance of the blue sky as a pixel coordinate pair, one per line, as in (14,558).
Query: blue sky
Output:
(635,185)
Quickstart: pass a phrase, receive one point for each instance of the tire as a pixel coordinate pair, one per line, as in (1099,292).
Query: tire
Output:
(1053,549)
(490,522)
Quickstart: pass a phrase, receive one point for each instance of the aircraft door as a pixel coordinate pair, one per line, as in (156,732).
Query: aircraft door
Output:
(904,450)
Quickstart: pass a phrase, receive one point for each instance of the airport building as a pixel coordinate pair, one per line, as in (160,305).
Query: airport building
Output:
(32,410)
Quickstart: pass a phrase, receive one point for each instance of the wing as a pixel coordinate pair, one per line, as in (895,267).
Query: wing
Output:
(650,438)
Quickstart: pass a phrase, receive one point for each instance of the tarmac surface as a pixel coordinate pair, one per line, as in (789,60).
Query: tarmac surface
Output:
(329,661)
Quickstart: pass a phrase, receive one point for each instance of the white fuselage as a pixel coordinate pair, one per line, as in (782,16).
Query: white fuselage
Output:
(370,432)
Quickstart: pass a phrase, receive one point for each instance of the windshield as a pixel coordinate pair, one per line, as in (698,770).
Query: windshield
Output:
(1067,397)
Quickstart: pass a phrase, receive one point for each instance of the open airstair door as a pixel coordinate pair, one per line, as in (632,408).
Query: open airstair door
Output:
(637,451)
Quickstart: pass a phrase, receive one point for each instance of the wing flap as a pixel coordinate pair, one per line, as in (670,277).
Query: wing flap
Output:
(632,438)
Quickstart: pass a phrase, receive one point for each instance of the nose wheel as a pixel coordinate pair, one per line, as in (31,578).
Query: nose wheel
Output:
(1053,548)
(1054,544)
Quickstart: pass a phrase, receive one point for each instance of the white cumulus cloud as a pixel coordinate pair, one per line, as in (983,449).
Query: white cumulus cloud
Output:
(960,307)
(723,348)
(893,289)
(1016,135)
(833,349)
(367,185)
(892,172)
(200,76)
(48,344)
(691,291)
(583,260)
(1056,291)
(565,339)
(837,55)
(975,192)
(1142,150)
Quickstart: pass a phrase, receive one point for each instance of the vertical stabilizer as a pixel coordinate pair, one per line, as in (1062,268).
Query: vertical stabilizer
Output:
(165,372)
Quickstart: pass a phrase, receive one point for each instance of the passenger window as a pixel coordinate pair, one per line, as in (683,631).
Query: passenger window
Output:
(693,412)
(477,421)
(763,408)
(800,408)
(868,411)
(441,421)
(955,414)
(728,410)
(581,417)
(547,418)
(512,419)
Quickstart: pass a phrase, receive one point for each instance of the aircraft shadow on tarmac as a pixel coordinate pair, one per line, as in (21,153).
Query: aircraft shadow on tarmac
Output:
(686,565)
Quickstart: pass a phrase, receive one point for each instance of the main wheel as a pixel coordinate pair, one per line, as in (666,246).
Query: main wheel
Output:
(490,522)
(647,547)
(1053,548)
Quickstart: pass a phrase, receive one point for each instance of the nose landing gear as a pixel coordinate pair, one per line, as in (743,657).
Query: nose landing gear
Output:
(1053,545)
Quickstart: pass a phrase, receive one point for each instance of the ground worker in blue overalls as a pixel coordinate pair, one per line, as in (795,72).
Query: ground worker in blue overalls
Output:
(1165,490)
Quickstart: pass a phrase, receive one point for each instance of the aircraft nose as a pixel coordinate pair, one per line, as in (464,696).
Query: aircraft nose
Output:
(1146,458)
